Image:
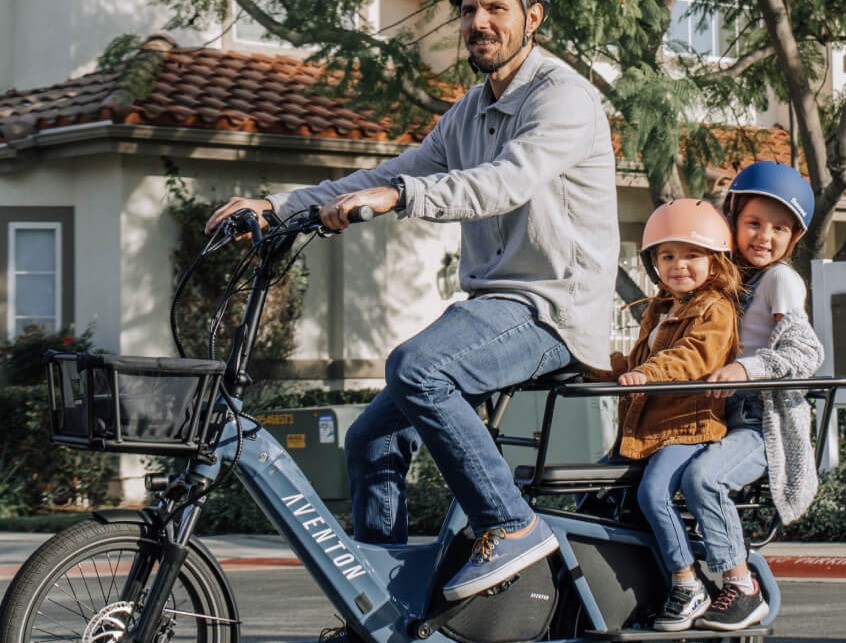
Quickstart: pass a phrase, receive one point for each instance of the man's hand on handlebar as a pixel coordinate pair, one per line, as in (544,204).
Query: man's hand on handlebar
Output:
(335,214)
(234,204)
(733,372)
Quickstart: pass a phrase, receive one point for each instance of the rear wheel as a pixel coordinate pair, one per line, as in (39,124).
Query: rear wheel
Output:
(89,583)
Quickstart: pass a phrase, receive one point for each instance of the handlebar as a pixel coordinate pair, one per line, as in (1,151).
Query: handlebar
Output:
(246,221)
(360,214)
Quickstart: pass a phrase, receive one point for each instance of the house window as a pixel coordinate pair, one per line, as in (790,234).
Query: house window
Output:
(34,276)
(37,274)
(247,30)
(704,33)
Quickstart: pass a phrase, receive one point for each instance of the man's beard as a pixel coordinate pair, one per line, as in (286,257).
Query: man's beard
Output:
(490,66)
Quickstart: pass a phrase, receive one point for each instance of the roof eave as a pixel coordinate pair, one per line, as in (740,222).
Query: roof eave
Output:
(222,145)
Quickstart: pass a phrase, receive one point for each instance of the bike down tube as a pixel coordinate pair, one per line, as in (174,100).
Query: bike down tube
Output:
(356,580)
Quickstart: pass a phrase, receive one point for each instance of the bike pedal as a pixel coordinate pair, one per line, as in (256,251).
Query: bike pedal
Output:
(503,586)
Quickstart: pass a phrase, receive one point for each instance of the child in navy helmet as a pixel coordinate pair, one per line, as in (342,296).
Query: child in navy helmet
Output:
(769,206)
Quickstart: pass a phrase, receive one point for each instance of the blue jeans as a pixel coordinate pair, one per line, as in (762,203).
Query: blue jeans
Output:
(737,460)
(661,479)
(435,381)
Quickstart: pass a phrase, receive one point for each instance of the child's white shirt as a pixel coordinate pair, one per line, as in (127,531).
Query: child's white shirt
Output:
(779,291)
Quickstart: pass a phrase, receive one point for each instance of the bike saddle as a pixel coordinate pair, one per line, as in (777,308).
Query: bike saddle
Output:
(564,475)
(570,374)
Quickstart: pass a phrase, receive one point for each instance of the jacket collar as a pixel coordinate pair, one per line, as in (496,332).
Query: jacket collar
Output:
(694,307)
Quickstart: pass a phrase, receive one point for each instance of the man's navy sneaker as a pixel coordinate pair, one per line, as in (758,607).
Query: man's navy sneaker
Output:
(497,556)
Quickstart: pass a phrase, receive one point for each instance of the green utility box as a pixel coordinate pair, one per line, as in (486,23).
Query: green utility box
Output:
(315,439)
(583,428)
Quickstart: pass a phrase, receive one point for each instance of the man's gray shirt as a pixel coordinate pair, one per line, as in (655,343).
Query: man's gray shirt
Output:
(531,178)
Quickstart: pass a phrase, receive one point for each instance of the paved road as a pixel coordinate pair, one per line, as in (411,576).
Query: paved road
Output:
(279,602)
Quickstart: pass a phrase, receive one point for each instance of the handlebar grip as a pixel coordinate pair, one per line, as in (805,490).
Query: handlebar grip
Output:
(361,214)
(356,215)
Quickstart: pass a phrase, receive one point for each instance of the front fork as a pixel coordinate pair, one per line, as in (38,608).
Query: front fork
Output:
(172,536)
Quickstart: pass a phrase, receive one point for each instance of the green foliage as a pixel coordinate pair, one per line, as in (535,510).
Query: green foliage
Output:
(282,398)
(34,474)
(427,494)
(136,66)
(38,475)
(202,295)
(21,363)
(826,518)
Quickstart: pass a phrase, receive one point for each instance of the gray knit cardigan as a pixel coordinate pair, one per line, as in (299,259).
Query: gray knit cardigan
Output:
(795,352)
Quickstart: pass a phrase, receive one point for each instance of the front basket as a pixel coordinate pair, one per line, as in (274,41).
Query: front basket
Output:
(152,405)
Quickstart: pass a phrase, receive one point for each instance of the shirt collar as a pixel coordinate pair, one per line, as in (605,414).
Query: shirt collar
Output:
(513,95)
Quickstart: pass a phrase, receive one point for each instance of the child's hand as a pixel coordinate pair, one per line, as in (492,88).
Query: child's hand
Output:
(733,372)
(632,378)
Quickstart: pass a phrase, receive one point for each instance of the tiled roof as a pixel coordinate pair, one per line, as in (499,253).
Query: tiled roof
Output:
(198,88)
(772,144)
(230,90)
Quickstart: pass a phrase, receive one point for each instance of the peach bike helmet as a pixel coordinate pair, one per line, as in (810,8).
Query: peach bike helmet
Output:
(689,220)
(777,181)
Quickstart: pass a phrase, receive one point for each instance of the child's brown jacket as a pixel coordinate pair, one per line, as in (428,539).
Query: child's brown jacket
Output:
(690,345)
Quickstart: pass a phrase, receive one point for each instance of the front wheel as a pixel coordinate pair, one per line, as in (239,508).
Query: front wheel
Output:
(89,583)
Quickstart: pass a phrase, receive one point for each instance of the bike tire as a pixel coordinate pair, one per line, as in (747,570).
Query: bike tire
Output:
(77,580)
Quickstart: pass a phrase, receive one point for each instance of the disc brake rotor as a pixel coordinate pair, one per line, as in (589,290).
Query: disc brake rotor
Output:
(109,624)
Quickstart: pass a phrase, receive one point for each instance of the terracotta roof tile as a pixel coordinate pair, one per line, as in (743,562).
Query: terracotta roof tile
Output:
(232,90)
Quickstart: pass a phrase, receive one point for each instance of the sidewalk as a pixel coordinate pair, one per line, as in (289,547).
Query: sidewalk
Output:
(821,561)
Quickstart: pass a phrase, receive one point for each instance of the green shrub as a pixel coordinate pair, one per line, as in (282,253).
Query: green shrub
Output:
(46,475)
(427,494)
(203,291)
(22,357)
(37,475)
(826,519)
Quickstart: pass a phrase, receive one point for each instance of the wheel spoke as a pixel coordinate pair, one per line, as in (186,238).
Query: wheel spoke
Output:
(76,589)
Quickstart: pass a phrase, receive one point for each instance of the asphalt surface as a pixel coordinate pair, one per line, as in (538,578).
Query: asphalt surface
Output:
(819,561)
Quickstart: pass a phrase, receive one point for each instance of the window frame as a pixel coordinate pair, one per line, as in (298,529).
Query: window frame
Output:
(12,272)
(26,216)
(714,32)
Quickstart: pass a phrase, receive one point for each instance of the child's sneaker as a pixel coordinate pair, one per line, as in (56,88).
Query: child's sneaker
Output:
(734,610)
(682,607)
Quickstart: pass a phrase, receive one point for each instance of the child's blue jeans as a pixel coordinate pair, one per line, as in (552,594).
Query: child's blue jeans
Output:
(725,466)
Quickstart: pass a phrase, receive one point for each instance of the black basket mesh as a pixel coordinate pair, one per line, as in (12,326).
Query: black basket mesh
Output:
(152,405)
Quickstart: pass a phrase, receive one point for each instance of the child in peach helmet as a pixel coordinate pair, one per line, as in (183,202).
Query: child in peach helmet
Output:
(688,331)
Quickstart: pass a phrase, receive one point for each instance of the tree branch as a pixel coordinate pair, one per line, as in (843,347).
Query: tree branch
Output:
(777,20)
(410,87)
(576,62)
(743,63)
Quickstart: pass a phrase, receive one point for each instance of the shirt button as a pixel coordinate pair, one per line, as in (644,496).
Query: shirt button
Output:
(499,252)
(491,130)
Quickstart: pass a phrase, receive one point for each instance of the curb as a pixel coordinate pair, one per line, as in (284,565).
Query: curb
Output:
(821,567)
(243,563)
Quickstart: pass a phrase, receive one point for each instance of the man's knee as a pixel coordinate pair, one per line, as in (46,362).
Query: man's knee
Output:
(406,370)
